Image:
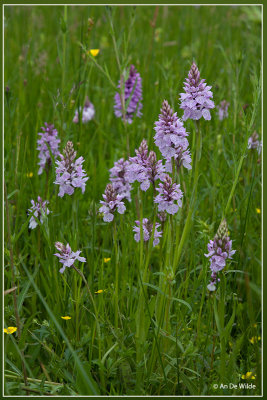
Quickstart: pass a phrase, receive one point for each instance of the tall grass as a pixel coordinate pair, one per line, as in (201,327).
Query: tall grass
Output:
(155,329)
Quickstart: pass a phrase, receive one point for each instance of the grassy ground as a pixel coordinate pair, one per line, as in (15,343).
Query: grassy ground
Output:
(155,329)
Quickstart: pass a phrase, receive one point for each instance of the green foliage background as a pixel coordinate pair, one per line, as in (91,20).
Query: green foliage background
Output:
(48,74)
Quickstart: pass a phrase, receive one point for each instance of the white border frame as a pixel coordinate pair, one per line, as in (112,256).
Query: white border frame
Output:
(3,94)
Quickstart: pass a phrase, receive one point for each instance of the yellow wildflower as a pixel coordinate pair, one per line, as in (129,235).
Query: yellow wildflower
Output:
(248,375)
(100,291)
(10,329)
(258,210)
(66,317)
(94,52)
(106,260)
(255,339)
(29,174)
(158,33)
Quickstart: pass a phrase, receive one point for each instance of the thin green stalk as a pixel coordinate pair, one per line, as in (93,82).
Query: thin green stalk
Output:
(115,244)
(75,218)
(162,280)
(163,305)
(104,72)
(221,311)
(168,306)
(77,287)
(140,316)
(156,341)
(257,94)
(124,270)
(150,246)
(87,287)
(179,246)
(204,291)
(46,181)
(140,305)
(198,155)
(102,379)
(85,374)
(141,247)
(13,281)
(64,25)
(64,52)
(131,25)
(32,380)
(101,287)
(212,297)
(155,334)
(114,42)
(235,181)
(122,81)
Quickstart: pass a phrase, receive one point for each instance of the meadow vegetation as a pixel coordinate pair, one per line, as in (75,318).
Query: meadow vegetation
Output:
(133,317)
